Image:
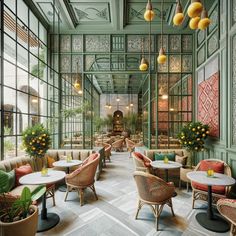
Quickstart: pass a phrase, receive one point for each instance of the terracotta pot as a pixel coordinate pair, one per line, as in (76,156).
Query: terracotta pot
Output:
(25,227)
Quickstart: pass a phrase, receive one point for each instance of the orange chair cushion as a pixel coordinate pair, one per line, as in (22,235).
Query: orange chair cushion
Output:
(215,189)
(50,160)
(217,166)
(21,171)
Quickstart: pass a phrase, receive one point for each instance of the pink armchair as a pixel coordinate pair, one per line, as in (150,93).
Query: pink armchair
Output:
(83,177)
(142,163)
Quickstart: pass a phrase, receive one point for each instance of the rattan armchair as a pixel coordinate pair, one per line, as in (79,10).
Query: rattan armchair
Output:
(130,145)
(227,208)
(107,150)
(218,192)
(83,177)
(142,163)
(118,145)
(155,192)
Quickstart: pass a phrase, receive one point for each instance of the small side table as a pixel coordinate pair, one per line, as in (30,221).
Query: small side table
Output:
(46,220)
(67,165)
(207,219)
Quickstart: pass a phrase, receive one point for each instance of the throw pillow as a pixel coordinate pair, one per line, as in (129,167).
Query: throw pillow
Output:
(161,156)
(181,159)
(21,171)
(217,166)
(7,181)
(50,161)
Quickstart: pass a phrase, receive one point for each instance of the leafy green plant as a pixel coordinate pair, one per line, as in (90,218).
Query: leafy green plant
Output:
(131,122)
(20,209)
(98,123)
(36,140)
(192,137)
(108,121)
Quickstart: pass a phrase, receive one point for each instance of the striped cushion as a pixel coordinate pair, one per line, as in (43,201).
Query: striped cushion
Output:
(7,181)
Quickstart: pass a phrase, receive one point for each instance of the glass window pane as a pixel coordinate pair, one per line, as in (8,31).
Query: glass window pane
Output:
(9,49)
(9,78)
(22,11)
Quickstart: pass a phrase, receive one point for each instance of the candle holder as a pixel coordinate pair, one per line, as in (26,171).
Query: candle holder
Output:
(68,158)
(44,172)
(166,160)
(210,172)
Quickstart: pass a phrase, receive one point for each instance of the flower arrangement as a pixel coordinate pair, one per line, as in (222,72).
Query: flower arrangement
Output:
(192,137)
(36,140)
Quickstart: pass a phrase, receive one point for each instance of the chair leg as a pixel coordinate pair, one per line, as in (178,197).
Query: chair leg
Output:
(158,210)
(232,230)
(67,191)
(81,196)
(180,184)
(193,199)
(94,191)
(187,187)
(171,207)
(138,209)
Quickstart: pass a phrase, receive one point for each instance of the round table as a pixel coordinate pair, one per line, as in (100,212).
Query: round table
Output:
(166,167)
(46,220)
(67,165)
(207,219)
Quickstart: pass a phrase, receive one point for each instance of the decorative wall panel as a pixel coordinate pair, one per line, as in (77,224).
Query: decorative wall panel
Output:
(65,63)
(134,43)
(214,20)
(213,44)
(164,44)
(234,88)
(77,43)
(97,43)
(208,103)
(174,63)
(76,63)
(175,43)
(200,37)
(187,43)
(65,43)
(187,63)
(201,55)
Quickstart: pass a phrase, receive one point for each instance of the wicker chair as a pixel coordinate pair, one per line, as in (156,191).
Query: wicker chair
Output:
(107,149)
(142,163)
(200,194)
(118,145)
(154,192)
(227,208)
(130,145)
(83,177)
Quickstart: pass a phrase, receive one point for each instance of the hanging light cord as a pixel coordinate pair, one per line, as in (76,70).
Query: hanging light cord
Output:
(162,16)
(149,48)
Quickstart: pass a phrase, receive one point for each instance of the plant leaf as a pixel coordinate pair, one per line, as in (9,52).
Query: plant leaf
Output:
(25,195)
(38,192)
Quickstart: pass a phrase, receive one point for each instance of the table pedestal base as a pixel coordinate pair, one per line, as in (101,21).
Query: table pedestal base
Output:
(48,223)
(217,224)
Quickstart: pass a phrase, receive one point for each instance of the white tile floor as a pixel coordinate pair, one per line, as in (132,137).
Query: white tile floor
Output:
(113,214)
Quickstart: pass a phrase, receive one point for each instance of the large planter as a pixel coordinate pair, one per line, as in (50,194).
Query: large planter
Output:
(183,175)
(25,227)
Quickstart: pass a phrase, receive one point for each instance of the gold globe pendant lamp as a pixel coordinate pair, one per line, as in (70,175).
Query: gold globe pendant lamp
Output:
(143,65)
(161,59)
(149,13)
(205,21)
(193,23)
(77,85)
(179,16)
(195,8)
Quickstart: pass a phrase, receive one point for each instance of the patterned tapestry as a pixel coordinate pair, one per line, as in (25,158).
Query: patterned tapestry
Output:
(208,103)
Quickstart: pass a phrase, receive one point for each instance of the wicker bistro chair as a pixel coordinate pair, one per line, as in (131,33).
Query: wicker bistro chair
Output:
(227,208)
(142,163)
(155,192)
(118,145)
(130,145)
(107,149)
(199,191)
(83,177)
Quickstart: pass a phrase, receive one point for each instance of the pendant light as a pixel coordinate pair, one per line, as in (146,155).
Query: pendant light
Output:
(193,23)
(195,8)
(149,13)
(107,104)
(77,83)
(131,98)
(161,57)
(179,16)
(205,21)
(144,63)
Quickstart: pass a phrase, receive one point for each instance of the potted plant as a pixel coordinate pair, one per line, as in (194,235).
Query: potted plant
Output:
(36,141)
(192,138)
(21,218)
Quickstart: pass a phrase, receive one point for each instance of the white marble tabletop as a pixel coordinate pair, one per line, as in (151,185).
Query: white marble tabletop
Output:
(36,177)
(218,179)
(64,163)
(162,165)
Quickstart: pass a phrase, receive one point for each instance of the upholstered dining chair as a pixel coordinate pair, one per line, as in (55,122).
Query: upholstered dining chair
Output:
(227,208)
(107,150)
(154,192)
(142,162)
(118,145)
(83,177)
(200,190)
